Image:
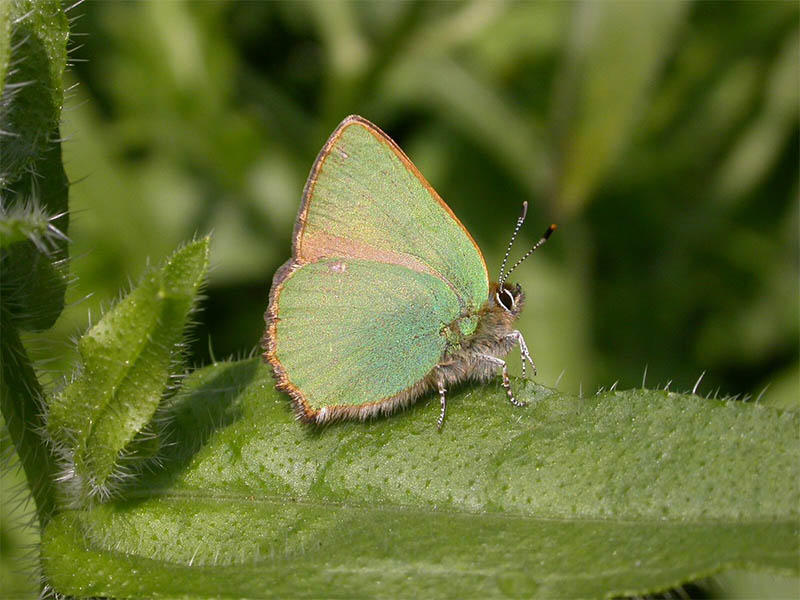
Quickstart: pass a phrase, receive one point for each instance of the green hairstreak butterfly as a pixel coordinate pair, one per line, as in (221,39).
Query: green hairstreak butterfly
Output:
(386,295)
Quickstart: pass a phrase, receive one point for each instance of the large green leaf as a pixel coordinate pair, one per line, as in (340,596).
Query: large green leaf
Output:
(127,360)
(619,493)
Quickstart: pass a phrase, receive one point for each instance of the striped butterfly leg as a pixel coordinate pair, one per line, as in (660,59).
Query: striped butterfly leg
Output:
(516,335)
(506,383)
(443,400)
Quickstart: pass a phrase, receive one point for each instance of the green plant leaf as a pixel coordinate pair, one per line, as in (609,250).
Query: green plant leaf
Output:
(128,358)
(32,180)
(33,203)
(5,42)
(30,223)
(613,55)
(33,87)
(20,396)
(619,493)
(758,146)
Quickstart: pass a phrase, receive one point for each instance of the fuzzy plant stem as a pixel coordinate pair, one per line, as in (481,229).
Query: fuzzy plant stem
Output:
(20,394)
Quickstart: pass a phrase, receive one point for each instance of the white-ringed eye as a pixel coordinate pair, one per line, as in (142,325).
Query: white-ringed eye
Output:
(505,299)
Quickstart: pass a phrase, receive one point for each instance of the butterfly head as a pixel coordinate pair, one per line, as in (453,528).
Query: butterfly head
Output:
(509,298)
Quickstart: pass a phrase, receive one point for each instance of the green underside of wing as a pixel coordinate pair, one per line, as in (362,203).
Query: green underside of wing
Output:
(364,192)
(355,331)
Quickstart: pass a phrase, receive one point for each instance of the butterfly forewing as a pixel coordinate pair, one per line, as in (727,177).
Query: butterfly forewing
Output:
(365,197)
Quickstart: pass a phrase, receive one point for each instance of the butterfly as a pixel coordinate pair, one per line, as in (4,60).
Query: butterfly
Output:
(386,296)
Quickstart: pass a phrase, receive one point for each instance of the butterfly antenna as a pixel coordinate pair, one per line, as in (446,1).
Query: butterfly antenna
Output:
(520,221)
(533,249)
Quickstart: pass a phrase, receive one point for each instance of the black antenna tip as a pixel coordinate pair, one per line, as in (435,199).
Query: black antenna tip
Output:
(550,230)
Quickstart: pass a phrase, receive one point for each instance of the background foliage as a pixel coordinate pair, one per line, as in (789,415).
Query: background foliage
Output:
(663,140)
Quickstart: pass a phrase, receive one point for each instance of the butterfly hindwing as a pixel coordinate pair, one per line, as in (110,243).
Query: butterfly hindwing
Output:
(354,331)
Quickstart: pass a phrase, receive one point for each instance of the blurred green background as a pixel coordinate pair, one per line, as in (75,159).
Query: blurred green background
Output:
(661,137)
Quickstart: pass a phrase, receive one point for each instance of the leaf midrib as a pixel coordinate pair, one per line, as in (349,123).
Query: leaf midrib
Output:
(249,498)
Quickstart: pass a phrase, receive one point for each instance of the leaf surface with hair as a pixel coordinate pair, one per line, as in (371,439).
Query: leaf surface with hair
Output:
(127,360)
(578,497)
(33,200)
